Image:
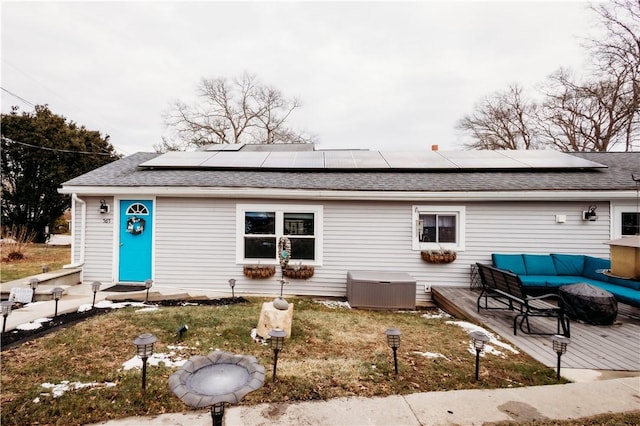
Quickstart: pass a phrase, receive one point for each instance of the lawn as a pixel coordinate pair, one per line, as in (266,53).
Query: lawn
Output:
(333,352)
(35,256)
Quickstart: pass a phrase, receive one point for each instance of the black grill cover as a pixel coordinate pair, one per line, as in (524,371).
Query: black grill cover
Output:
(589,304)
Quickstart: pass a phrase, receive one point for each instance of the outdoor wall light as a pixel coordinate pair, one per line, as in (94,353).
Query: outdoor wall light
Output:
(6,310)
(277,336)
(590,214)
(232,284)
(95,286)
(393,340)
(57,294)
(479,339)
(147,284)
(144,346)
(181,330)
(104,207)
(560,344)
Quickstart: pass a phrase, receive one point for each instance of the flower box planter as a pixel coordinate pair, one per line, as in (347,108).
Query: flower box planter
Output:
(302,272)
(259,271)
(438,256)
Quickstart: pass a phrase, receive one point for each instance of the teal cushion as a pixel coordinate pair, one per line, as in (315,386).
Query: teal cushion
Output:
(509,262)
(568,264)
(558,280)
(623,294)
(539,264)
(533,280)
(593,264)
(633,284)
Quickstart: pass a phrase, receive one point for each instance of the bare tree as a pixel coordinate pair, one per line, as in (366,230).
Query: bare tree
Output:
(583,116)
(597,112)
(241,111)
(617,56)
(501,121)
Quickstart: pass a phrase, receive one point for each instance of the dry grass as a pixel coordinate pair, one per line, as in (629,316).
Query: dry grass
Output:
(332,353)
(35,255)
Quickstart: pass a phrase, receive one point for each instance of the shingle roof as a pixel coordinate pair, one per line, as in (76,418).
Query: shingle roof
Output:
(126,173)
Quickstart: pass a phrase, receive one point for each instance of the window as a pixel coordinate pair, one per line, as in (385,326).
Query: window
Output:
(261,226)
(438,227)
(137,209)
(625,219)
(630,223)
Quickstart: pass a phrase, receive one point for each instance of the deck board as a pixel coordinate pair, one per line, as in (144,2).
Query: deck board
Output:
(614,347)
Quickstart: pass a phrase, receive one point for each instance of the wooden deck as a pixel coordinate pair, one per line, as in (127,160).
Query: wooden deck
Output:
(597,347)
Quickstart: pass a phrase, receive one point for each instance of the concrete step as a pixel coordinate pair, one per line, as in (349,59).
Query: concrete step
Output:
(63,278)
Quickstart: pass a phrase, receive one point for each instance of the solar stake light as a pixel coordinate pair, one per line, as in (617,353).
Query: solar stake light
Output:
(6,310)
(57,294)
(479,339)
(560,344)
(217,413)
(183,329)
(393,340)
(33,283)
(277,336)
(95,286)
(147,284)
(232,284)
(144,346)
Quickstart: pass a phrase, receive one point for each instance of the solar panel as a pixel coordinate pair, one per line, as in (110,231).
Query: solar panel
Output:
(416,160)
(288,160)
(224,147)
(241,160)
(548,158)
(481,160)
(371,160)
(179,159)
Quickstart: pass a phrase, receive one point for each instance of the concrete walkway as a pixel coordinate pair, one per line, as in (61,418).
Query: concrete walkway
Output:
(463,407)
(594,392)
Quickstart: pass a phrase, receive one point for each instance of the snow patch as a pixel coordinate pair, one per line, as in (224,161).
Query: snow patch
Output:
(439,315)
(334,304)
(33,325)
(490,348)
(430,355)
(58,389)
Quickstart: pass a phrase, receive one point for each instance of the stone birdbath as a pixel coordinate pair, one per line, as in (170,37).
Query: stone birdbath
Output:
(216,379)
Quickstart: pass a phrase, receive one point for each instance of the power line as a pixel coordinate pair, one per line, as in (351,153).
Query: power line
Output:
(18,97)
(54,149)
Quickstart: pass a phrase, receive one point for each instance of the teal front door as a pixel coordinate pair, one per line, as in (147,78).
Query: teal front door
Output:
(136,220)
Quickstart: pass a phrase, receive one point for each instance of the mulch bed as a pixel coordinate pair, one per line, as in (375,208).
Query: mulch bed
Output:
(16,337)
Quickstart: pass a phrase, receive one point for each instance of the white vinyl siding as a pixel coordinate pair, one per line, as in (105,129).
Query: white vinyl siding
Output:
(196,242)
(98,241)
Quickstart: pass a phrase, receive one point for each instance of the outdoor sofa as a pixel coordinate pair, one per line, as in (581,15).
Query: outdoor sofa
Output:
(547,272)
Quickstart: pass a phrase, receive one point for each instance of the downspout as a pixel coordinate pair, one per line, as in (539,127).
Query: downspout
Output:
(83,231)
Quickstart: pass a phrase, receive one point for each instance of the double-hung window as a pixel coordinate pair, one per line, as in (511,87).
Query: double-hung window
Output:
(438,227)
(260,226)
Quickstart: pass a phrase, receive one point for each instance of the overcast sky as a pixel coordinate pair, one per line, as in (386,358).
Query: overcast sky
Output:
(377,75)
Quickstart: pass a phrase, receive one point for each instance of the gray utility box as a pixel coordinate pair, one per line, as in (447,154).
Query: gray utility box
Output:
(381,290)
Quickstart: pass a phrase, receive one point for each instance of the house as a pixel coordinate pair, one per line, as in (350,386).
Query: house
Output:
(193,220)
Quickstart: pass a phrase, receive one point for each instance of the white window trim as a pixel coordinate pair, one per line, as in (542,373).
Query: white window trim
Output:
(460,214)
(617,209)
(280,209)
